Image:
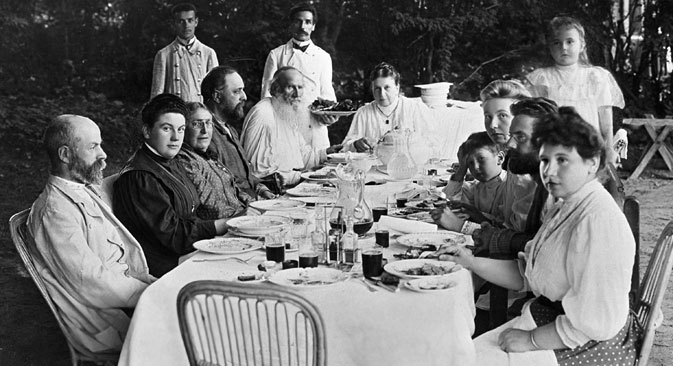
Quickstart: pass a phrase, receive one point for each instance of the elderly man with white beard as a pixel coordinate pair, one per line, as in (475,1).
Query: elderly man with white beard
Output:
(93,268)
(272,136)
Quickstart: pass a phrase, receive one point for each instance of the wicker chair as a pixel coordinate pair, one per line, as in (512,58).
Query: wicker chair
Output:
(17,226)
(652,289)
(232,323)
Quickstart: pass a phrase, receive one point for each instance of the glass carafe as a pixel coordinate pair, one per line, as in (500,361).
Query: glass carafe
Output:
(401,165)
(351,202)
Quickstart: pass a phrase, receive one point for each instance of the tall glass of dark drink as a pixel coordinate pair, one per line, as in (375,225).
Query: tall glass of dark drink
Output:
(378,212)
(308,259)
(275,252)
(372,263)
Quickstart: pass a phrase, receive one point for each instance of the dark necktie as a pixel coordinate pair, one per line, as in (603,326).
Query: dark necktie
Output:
(298,47)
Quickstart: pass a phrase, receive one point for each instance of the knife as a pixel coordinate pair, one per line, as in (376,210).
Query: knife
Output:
(382,285)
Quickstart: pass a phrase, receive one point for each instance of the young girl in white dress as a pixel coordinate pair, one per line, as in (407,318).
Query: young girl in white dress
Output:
(574,82)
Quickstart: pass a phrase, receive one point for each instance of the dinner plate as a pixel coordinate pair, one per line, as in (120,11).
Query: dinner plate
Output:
(421,205)
(421,216)
(436,238)
(311,190)
(431,284)
(228,245)
(305,278)
(319,176)
(280,204)
(332,113)
(258,225)
(401,268)
(341,157)
(313,201)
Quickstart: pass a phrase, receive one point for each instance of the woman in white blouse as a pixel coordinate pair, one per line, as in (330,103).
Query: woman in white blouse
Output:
(387,111)
(578,265)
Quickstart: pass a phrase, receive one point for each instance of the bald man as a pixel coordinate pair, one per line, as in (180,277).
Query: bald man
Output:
(93,268)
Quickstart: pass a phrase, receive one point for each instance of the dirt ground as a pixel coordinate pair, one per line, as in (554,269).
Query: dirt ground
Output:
(29,335)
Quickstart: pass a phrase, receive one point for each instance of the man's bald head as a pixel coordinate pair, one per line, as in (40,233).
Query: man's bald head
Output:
(288,84)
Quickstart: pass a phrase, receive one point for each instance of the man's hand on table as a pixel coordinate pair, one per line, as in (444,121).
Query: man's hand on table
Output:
(475,214)
(334,149)
(362,145)
(445,218)
(458,254)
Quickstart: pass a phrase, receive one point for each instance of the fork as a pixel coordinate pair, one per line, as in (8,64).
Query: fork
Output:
(244,261)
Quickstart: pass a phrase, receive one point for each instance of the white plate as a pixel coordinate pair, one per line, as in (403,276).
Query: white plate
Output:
(303,278)
(400,268)
(311,176)
(431,284)
(333,113)
(421,216)
(425,206)
(436,238)
(228,245)
(341,157)
(311,190)
(258,225)
(312,201)
(281,204)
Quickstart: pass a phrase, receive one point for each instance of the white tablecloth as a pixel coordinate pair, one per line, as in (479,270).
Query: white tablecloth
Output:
(363,327)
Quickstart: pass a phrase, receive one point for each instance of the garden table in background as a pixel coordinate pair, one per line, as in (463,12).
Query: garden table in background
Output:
(658,130)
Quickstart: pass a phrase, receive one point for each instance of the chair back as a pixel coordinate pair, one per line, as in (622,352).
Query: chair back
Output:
(632,212)
(652,289)
(225,323)
(107,188)
(19,233)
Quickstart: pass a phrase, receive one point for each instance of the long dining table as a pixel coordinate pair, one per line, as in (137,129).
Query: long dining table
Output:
(362,327)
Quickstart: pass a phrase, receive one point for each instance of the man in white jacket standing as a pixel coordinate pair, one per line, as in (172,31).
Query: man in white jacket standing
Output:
(302,54)
(180,67)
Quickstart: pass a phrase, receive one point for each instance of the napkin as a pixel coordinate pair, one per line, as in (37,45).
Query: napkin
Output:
(405,226)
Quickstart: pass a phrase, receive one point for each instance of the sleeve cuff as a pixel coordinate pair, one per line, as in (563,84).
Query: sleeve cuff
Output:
(469,227)
(569,335)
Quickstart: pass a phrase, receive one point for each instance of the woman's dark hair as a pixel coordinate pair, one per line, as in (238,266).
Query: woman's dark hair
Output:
(566,128)
(160,105)
(384,70)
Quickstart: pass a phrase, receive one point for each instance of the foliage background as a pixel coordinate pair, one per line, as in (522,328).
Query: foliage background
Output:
(95,47)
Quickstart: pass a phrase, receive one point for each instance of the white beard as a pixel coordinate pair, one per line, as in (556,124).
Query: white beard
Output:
(295,114)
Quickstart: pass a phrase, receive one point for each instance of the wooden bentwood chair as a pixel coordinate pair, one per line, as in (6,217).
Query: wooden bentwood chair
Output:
(18,230)
(226,323)
(652,289)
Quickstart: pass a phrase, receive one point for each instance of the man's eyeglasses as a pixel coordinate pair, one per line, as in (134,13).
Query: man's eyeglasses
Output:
(520,138)
(200,123)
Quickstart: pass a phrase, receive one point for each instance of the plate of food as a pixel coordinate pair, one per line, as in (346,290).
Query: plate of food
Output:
(305,278)
(228,245)
(427,204)
(258,225)
(343,157)
(281,204)
(431,284)
(322,175)
(423,216)
(311,190)
(314,201)
(251,276)
(345,107)
(436,238)
(421,268)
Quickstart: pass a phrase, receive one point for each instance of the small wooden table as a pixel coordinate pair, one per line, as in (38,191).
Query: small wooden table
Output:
(658,130)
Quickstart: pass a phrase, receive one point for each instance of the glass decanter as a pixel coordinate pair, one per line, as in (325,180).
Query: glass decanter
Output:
(351,202)
(401,165)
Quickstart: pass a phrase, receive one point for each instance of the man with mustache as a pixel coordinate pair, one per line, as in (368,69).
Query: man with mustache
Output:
(301,53)
(92,266)
(271,136)
(180,66)
(224,95)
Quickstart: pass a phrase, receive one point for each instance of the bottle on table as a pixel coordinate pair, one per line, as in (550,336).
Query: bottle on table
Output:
(349,243)
(319,238)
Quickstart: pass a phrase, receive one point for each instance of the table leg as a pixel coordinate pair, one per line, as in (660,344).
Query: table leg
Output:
(656,145)
(665,149)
